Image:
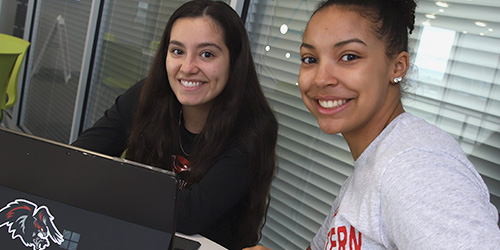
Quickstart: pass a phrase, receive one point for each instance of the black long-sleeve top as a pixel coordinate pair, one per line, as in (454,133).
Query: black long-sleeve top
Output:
(212,206)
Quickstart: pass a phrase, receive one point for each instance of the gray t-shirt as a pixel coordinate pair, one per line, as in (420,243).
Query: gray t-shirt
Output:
(412,188)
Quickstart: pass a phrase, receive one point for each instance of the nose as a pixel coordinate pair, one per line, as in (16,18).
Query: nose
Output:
(189,65)
(325,74)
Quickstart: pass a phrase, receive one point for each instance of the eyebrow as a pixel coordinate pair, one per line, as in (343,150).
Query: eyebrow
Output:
(337,45)
(201,45)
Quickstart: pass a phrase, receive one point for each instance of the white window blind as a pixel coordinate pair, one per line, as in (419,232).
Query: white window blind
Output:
(456,87)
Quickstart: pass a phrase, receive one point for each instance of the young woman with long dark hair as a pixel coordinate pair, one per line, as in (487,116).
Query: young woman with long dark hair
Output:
(201,113)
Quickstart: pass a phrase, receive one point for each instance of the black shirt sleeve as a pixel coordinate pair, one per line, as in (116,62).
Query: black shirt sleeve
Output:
(109,134)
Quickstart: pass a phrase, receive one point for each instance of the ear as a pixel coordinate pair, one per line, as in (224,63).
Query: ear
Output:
(401,65)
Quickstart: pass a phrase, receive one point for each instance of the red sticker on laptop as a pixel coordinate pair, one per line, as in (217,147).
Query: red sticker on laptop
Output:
(33,225)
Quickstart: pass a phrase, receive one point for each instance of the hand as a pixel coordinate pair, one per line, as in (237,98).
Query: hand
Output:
(256,248)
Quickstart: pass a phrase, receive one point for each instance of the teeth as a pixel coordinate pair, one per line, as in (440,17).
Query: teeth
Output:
(331,104)
(190,84)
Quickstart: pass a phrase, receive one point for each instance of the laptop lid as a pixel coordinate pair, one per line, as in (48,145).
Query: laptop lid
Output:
(61,196)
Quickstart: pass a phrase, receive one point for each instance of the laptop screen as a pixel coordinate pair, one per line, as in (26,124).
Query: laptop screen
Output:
(99,200)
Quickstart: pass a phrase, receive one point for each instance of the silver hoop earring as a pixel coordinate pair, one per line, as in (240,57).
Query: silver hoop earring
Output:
(398,79)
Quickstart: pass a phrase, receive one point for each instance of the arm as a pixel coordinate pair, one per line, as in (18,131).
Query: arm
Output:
(109,134)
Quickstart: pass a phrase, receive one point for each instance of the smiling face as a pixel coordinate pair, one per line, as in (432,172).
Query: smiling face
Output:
(345,76)
(197,62)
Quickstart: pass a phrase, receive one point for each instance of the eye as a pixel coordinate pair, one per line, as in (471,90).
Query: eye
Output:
(177,52)
(207,54)
(309,60)
(349,57)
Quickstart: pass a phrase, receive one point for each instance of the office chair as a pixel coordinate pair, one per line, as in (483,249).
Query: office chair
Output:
(12,45)
(7,62)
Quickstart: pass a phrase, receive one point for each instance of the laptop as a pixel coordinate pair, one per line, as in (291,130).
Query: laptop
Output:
(55,196)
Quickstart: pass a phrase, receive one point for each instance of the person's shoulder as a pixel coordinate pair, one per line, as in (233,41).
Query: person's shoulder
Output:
(138,85)
(133,92)
(411,136)
(417,132)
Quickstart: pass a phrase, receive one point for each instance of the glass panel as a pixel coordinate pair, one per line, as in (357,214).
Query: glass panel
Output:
(56,55)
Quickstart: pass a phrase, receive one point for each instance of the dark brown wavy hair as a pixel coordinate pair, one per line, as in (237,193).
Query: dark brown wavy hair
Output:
(240,111)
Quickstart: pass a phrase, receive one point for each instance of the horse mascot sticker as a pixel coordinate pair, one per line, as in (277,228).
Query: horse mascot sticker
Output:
(33,225)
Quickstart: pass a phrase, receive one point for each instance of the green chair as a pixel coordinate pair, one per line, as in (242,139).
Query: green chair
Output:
(12,45)
(7,62)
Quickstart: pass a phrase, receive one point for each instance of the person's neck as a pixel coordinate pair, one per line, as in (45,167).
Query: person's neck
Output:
(194,118)
(359,140)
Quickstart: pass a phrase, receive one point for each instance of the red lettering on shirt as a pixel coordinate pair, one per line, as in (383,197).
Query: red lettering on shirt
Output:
(330,241)
(354,243)
(340,239)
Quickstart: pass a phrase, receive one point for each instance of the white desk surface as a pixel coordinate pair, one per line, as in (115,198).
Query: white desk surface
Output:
(206,244)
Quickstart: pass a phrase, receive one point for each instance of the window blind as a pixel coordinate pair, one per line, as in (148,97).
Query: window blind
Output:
(455,85)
